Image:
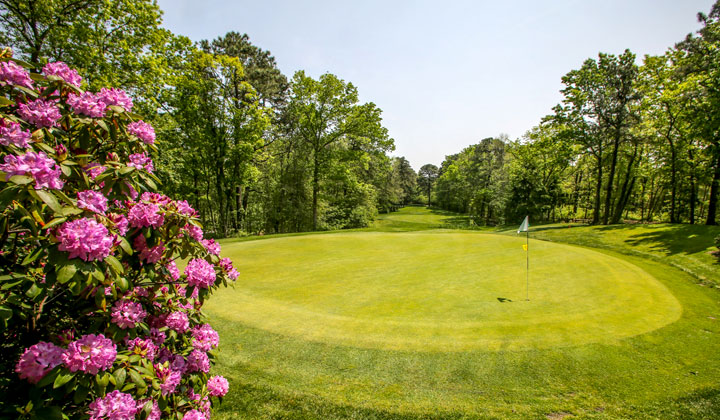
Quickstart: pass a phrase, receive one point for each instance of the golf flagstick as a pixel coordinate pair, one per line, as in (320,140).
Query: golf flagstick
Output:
(525,227)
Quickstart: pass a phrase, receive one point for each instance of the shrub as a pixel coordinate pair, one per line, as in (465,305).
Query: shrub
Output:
(96,320)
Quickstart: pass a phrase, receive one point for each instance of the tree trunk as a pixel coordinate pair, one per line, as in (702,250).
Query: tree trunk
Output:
(693,189)
(673,181)
(625,191)
(611,176)
(712,205)
(598,189)
(316,187)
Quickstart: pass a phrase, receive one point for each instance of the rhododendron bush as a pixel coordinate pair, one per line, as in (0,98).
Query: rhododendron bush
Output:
(97,320)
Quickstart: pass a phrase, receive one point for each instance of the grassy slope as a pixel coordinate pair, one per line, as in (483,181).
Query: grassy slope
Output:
(668,373)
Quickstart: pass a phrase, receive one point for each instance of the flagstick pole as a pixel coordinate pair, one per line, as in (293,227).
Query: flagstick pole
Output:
(527,270)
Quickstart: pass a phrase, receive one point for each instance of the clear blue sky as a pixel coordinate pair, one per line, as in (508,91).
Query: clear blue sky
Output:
(445,74)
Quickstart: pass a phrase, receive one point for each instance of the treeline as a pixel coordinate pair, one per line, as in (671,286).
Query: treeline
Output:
(251,149)
(627,142)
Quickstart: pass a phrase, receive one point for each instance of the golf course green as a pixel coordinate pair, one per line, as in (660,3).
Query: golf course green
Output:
(411,321)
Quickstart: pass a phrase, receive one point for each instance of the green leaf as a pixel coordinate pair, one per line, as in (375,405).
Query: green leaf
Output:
(102,125)
(21,179)
(80,394)
(70,211)
(115,264)
(54,222)
(34,255)
(62,379)
(137,379)
(49,199)
(125,245)
(126,170)
(5,312)
(5,102)
(122,283)
(120,375)
(66,272)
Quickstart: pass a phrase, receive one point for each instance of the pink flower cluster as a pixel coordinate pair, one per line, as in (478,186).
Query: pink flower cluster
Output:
(173,269)
(194,415)
(211,246)
(227,267)
(144,347)
(218,386)
(13,134)
(155,412)
(13,74)
(178,321)
(121,222)
(87,104)
(40,112)
(143,131)
(200,273)
(114,406)
(170,378)
(144,215)
(86,239)
(194,231)
(198,361)
(94,201)
(141,161)
(184,208)
(116,97)
(126,314)
(90,354)
(204,337)
(147,254)
(64,72)
(38,360)
(93,169)
(44,170)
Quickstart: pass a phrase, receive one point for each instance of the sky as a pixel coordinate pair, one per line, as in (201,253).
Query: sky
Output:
(446,74)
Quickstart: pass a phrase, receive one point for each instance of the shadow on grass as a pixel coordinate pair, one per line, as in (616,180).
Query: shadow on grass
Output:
(675,239)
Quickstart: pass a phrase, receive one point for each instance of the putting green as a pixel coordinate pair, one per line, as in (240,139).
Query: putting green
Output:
(440,291)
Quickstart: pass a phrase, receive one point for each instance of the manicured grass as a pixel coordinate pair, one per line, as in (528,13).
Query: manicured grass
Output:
(408,325)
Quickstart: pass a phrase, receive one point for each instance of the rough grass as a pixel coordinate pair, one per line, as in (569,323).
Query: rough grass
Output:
(275,373)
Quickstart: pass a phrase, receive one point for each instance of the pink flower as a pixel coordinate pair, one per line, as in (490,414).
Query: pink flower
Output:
(184,208)
(40,112)
(202,403)
(13,134)
(38,360)
(170,379)
(155,198)
(173,269)
(158,337)
(64,72)
(91,354)
(227,267)
(194,415)
(42,168)
(143,347)
(87,104)
(198,361)
(85,239)
(218,386)
(141,161)
(177,321)
(114,406)
(116,97)
(149,255)
(195,232)
(93,169)
(211,246)
(127,314)
(204,337)
(145,214)
(154,410)
(121,222)
(143,131)
(94,201)
(13,74)
(200,273)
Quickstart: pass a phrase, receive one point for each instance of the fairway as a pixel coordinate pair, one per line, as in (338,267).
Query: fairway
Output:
(440,291)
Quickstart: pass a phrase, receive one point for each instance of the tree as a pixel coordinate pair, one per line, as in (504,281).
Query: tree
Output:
(326,117)
(407,178)
(426,178)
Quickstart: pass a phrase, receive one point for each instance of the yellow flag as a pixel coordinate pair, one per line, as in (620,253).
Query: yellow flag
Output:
(524,247)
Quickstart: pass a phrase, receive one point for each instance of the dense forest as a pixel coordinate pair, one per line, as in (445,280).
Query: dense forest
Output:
(257,151)
(629,141)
